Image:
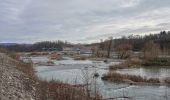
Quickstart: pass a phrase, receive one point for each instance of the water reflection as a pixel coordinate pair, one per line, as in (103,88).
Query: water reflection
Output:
(149,72)
(70,71)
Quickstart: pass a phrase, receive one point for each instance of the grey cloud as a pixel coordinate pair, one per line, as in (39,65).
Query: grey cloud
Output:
(79,20)
(166,24)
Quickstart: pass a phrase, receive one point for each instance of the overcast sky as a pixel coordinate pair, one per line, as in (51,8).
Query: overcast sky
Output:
(83,21)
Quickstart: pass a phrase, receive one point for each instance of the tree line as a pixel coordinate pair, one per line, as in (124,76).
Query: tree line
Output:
(132,43)
(38,46)
(138,42)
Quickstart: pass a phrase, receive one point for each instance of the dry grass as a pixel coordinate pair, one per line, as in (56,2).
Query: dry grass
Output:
(56,56)
(167,81)
(118,66)
(55,90)
(80,58)
(34,53)
(116,77)
(157,62)
(130,63)
(38,53)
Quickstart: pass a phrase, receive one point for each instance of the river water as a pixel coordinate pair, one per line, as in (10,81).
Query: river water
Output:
(74,72)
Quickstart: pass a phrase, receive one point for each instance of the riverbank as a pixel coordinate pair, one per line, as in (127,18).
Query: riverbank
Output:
(19,82)
(15,82)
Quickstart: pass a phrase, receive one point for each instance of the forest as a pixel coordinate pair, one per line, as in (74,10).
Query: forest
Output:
(135,42)
(38,46)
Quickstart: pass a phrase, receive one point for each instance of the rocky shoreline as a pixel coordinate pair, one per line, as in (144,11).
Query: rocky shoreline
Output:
(14,84)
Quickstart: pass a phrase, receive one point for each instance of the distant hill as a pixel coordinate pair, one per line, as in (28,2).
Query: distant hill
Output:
(8,44)
(13,44)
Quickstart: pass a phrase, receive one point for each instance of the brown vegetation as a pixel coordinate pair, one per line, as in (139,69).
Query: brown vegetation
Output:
(167,81)
(157,62)
(151,50)
(55,56)
(54,90)
(96,52)
(116,77)
(80,58)
(132,62)
(124,50)
(38,53)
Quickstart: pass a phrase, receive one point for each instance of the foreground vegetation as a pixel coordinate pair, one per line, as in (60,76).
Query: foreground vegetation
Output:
(55,90)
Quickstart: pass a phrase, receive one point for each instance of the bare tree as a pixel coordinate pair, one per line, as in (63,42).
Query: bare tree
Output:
(109,47)
(124,50)
(151,50)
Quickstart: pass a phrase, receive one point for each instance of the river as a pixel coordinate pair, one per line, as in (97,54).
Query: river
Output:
(74,71)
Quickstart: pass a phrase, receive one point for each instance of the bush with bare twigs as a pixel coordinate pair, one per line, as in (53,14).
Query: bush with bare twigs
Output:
(167,81)
(133,62)
(55,90)
(80,58)
(55,56)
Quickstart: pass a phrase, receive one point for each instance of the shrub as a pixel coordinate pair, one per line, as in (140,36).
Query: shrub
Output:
(133,62)
(56,56)
(55,90)
(157,62)
(34,54)
(167,81)
(80,58)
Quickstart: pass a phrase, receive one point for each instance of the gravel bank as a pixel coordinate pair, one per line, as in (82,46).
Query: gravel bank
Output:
(14,84)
